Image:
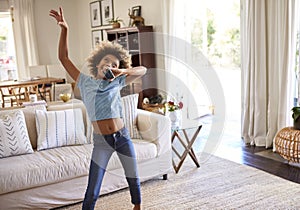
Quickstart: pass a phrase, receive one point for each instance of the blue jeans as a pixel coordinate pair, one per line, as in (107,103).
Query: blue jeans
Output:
(104,146)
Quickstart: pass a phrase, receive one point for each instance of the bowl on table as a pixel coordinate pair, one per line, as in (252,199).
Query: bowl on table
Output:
(65,97)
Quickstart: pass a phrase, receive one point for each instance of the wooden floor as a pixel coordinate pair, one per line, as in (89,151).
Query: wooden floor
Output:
(232,147)
(277,168)
(237,151)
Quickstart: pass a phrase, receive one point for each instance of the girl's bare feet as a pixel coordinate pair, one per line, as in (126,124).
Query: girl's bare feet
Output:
(137,207)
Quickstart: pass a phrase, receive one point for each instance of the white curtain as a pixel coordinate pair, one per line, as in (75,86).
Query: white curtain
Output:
(25,36)
(175,33)
(190,77)
(268,55)
(181,58)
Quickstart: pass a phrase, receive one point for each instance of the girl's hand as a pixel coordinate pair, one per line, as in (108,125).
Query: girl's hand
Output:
(59,17)
(117,72)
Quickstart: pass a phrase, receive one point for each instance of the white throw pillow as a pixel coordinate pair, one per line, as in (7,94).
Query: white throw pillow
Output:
(29,113)
(14,139)
(59,128)
(130,103)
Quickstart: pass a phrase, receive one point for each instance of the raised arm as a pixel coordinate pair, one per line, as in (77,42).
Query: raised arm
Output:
(72,70)
(134,73)
(131,73)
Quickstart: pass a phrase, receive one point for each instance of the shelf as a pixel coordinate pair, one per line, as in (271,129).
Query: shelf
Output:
(132,39)
(134,51)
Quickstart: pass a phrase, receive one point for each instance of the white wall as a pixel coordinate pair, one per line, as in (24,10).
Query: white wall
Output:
(84,29)
(151,11)
(77,15)
(47,30)
(4,6)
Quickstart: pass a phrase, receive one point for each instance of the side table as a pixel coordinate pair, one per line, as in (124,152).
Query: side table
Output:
(187,145)
(287,144)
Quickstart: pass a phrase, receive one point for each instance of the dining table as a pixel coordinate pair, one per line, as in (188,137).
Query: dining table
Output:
(33,82)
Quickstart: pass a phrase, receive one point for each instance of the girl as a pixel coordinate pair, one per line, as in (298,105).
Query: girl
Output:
(101,96)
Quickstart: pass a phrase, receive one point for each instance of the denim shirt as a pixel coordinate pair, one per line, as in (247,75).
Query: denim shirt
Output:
(102,98)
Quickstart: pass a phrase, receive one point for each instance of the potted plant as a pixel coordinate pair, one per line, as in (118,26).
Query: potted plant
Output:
(115,22)
(171,106)
(174,113)
(296,117)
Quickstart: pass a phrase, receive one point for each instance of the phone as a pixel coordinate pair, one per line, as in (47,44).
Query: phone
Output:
(109,74)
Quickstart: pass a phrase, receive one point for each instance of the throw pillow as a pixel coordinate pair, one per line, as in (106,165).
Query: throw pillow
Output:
(130,103)
(59,128)
(29,113)
(14,139)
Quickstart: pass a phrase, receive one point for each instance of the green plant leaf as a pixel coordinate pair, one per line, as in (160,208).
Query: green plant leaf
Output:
(296,112)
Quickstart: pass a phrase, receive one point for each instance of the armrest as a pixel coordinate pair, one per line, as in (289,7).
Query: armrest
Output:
(155,128)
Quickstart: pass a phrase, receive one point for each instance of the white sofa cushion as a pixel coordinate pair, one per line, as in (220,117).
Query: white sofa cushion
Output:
(58,164)
(129,104)
(44,167)
(59,128)
(144,151)
(29,113)
(14,139)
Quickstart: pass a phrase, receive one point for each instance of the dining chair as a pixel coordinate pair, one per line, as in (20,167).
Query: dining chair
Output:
(14,96)
(44,91)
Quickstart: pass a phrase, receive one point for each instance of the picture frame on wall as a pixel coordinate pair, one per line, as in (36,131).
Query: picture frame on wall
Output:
(97,37)
(107,11)
(136,11)
(95,14)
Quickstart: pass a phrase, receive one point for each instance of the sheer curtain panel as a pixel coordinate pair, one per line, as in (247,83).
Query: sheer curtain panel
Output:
(25,36)
(268,54)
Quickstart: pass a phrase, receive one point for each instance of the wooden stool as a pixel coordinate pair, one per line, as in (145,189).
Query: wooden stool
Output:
(287,144)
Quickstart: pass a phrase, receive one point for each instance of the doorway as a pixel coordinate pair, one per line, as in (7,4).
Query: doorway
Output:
(215,31)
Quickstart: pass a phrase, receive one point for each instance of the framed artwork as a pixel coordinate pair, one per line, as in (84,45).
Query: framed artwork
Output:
(136,11)
(107,11)
(95,14)
(96,37)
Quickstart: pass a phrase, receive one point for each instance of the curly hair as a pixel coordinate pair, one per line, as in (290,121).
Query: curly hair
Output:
(108,48)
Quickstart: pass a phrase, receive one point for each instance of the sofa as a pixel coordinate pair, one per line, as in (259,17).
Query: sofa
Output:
(49,174)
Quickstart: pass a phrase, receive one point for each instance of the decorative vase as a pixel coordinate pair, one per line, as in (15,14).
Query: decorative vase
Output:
(297,124)
(116,25)
(175,117)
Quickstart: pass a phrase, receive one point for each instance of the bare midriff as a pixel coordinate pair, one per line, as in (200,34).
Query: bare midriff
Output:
(107,126)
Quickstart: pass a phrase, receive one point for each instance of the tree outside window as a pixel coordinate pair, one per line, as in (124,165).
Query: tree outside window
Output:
(220,41)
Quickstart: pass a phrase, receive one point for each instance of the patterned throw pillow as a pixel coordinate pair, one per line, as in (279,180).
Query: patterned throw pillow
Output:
(59,128)
(14,139)
(130,103)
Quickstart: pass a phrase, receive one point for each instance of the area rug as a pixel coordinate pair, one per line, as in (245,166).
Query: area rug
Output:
(217,184)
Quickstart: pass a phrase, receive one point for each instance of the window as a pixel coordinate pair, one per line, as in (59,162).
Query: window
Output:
(213,28)
(8,69)
(215,31)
